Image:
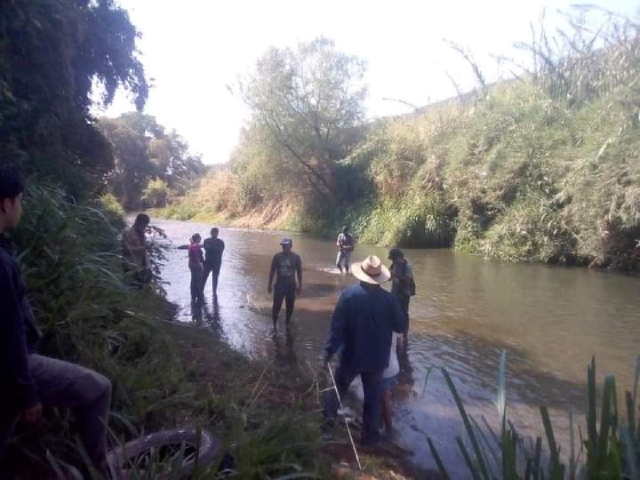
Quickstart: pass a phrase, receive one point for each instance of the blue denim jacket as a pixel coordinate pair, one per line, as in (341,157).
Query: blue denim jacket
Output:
(363,322)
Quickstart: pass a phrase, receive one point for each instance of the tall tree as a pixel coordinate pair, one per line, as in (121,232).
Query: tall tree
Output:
(143,153)
(52,55)
(309,99)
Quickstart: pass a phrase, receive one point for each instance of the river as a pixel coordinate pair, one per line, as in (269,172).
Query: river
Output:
(550,320)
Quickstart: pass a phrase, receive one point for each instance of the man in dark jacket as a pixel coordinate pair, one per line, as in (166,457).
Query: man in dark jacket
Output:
(29,381)
(214,248)
(363,322)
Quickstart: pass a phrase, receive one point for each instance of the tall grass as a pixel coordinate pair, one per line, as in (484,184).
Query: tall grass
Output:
(90,314)
(610,449)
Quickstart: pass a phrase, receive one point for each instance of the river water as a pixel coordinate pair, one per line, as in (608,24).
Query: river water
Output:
(550,321)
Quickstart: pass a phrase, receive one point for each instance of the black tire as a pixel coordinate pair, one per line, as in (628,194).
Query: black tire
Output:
(121,458)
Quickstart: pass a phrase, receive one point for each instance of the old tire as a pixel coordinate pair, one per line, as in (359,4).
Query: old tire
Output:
(131,455)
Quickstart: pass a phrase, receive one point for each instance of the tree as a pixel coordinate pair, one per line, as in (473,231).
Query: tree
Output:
(310,100)
(52,54)
(143,152)
(156,193)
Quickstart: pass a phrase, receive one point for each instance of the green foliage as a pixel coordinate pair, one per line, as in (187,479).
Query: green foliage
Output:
(611,451)
(306,104)
(416,220)
(111,205)
(543,167)
(88,314)
(52,53)
(150,164)
(156,193)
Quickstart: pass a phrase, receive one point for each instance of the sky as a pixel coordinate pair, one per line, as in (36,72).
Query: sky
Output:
(192,50)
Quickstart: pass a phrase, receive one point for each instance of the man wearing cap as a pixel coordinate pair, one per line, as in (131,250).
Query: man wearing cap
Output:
(403,286)
(345,248)
(363,323)
(284,267)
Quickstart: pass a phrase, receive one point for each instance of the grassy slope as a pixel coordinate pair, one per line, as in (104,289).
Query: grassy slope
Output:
(516,175)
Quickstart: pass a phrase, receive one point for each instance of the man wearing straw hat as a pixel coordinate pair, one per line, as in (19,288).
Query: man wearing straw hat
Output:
(363,323)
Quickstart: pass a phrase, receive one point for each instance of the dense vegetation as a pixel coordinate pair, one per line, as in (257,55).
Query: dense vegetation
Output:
(150,165)
(56,58)
(53,55)
(541,167)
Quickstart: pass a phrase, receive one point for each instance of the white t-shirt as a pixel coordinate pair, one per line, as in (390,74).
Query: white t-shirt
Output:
(394,367)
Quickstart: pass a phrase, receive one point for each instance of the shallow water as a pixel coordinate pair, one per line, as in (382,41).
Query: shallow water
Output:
(549,320)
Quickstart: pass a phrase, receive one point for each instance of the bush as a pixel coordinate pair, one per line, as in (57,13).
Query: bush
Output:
(90,315)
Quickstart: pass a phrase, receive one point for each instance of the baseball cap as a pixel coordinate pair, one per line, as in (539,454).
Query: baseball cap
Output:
(286,241)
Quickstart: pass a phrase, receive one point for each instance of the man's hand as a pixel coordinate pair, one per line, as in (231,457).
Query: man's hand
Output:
(33,415)
(270,289)
(299,289)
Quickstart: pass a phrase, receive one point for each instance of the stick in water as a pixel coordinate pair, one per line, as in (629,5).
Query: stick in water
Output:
(353,445)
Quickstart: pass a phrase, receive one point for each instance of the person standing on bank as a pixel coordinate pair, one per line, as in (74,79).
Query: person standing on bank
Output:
(284,267)
(345,249)
(29,381)
(213,248)
(363,323)
(196,267)
(403,286)
(134,248)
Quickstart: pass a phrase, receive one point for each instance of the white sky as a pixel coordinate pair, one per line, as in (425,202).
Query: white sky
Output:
(193,49)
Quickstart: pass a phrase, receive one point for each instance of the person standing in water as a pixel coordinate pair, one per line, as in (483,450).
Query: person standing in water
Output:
(390,380)
(362,327)
(403,286)
(196,267)
(213,247)
(284,268)
(345,249)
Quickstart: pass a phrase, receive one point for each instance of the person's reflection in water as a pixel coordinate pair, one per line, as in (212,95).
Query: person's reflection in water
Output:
(196,312)
(404,389)
(284,355)
(213,317)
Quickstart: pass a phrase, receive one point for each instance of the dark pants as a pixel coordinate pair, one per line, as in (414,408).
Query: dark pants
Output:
(196,283)
(214,271)
(85,392)
(372,408)
(404,303)
(280,293)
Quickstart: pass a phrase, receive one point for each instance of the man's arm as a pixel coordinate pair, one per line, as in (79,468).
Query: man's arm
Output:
(299,271)
(336,334)
(272,272)
(400,320)
(14,366)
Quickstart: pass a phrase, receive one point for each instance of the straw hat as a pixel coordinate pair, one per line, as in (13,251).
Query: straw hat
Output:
(371,270)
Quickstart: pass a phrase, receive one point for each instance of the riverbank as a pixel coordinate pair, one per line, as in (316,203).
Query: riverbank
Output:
(279,414)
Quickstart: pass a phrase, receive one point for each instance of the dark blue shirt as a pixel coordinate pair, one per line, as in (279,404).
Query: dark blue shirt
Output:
(214,247)
(363,322)
(18,334)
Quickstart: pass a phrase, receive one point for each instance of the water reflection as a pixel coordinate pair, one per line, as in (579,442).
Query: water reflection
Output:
(284,351)
(549,320)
